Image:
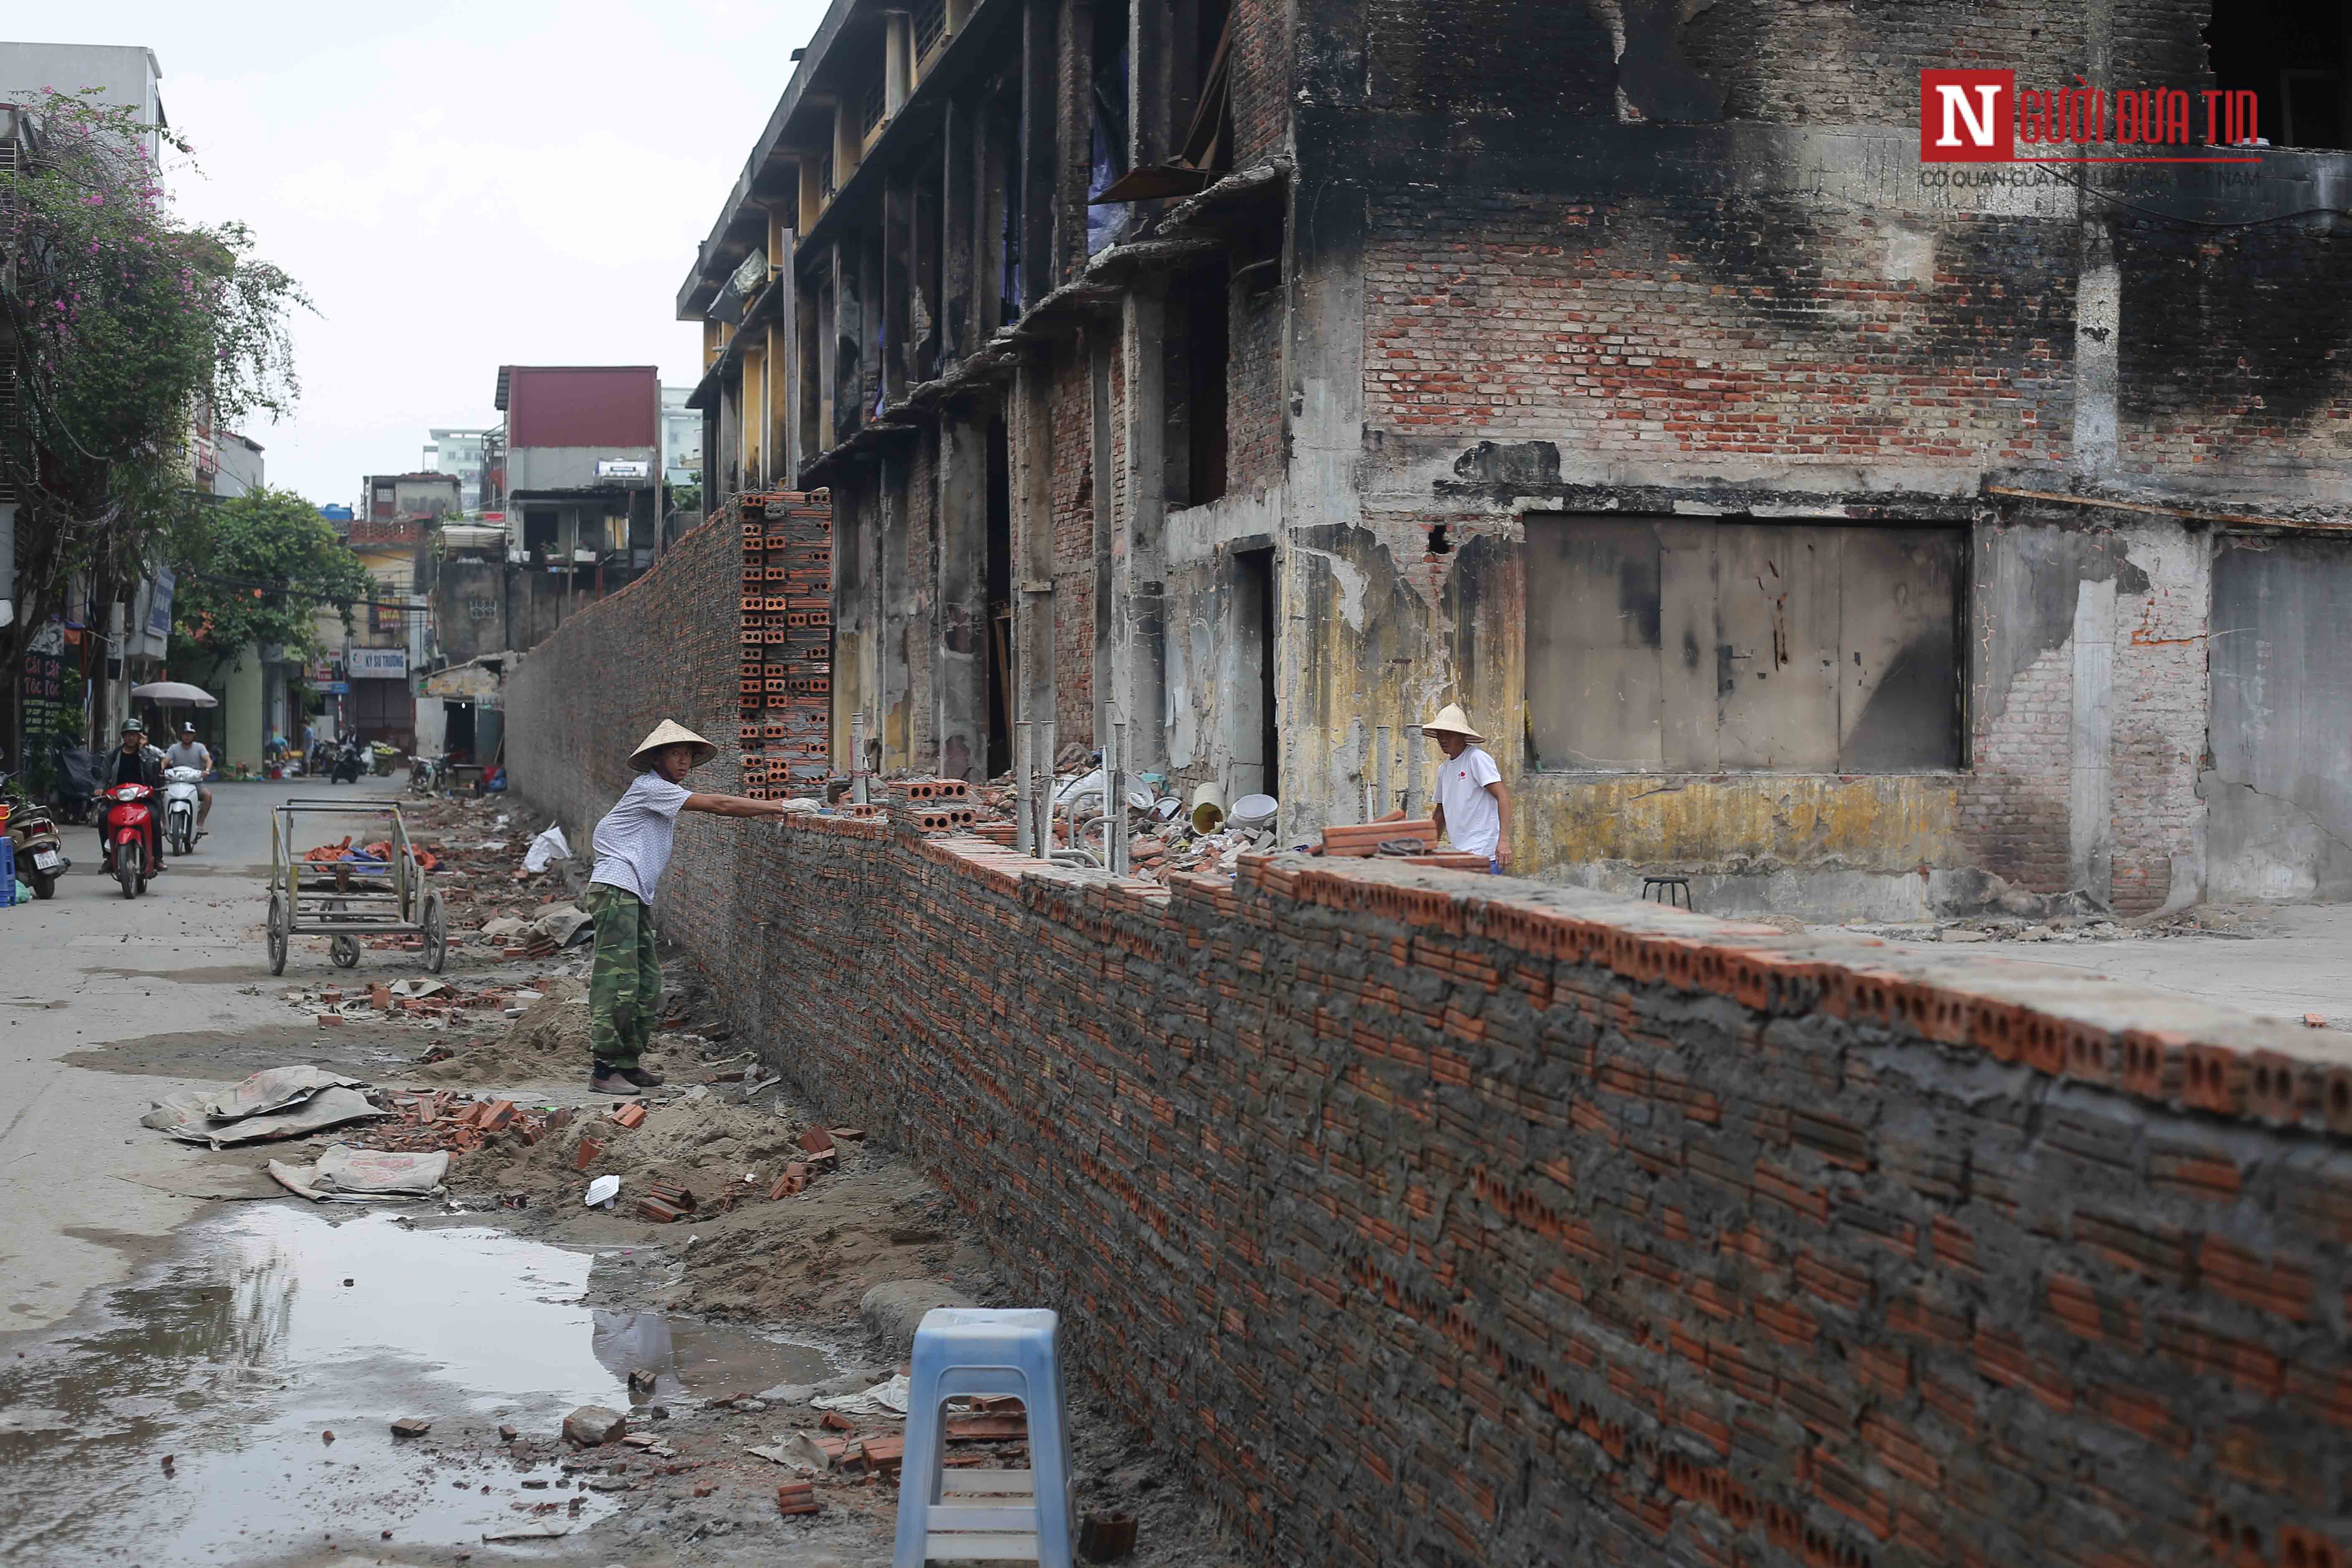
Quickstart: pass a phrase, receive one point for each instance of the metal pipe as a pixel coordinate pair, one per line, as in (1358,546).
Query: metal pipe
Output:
(1043,759)
(1024,825)
(1412,765)
(1385,798)
(858,793)
(1115,776)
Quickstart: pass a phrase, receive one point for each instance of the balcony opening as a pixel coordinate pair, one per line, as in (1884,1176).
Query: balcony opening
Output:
(1198,353)
(1250,738)
(2290,54)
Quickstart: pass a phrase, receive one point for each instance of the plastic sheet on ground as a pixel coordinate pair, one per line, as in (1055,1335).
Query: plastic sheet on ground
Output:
(547,848)
(183,1116)
(349,1176)
(882,1399)
(273,1089)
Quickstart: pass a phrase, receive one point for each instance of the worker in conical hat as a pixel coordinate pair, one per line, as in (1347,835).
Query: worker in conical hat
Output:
(631,845)
(1473,803)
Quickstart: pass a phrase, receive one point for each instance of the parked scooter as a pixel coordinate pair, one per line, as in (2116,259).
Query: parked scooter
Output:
(427,775)
(349,764)
(76,784)
(180,803)
(130,812)
(40,853)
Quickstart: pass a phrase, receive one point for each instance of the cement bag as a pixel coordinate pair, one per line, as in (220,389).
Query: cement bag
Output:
(547,846)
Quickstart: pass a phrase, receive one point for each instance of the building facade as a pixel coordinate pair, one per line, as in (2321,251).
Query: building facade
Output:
(1850,532)
(459,452)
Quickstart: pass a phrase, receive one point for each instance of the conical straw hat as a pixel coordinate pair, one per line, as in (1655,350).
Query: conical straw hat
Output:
(670,733)
(1454,721)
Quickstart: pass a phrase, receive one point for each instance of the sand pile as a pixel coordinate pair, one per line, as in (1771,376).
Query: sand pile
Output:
(549,1041)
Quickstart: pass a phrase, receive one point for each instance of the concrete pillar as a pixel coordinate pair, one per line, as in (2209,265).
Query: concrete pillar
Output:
(1138,552)
(898,285)
(2098,334)
(895,598)
(1040,144)
(960,669)
(2090,795)
(958,310)
(1101,345)
(1030,435)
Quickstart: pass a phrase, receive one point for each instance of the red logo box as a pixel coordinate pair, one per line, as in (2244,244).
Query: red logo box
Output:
(1966,116)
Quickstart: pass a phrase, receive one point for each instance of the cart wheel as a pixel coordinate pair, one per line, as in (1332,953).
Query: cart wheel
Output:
(277,924)
(436,933)
(345,951)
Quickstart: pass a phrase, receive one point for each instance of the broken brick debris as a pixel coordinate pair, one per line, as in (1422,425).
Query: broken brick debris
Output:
(797,1496)
(629,1115)
(816,1140)
(411,1427)
(659,1211)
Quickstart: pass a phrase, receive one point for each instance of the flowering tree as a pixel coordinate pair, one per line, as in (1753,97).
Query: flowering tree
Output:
(120,324)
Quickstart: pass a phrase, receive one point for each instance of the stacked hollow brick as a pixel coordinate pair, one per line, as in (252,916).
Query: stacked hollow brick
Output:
(1437,1220)
(785,684)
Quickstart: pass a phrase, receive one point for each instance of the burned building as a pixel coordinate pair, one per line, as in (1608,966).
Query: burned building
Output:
(1851,529)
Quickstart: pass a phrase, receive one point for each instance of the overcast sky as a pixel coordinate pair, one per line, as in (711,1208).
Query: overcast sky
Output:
(457,186)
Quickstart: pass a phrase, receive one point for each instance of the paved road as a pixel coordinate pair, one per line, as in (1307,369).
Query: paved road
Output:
(108,1004)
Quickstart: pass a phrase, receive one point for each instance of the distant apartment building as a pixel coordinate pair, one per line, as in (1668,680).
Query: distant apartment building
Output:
(125,75)
(459,452)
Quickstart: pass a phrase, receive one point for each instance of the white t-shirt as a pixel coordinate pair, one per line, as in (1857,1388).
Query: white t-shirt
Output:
(1473,821)
(632,843)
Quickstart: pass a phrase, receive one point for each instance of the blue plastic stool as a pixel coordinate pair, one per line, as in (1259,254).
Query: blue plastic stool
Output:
(7,870)
(962,1350)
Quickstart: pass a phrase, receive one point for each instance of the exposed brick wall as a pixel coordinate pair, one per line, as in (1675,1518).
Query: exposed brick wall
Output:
(2231,351)
(2013,802)
(1254,388)
(1857,62)
(1659,328)
(2160,706)
(1259,69)
(1437,1219)
(1481,57)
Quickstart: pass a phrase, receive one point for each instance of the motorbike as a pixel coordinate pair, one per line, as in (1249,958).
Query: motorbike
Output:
(348,764)
(76,784)
(129,810)
(40,853)
(180,803)
(427,775)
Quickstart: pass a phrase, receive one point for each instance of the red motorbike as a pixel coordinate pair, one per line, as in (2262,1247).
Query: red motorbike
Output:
(129,823)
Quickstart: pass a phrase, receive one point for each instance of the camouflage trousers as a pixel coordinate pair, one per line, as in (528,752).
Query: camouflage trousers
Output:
(625,985)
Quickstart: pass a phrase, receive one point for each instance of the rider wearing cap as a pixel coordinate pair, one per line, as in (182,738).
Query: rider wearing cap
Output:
(631,845)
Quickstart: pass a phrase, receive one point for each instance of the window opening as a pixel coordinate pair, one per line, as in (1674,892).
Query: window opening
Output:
(2291,54)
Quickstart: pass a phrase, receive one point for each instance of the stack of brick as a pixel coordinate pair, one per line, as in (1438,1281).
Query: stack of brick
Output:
(785,688)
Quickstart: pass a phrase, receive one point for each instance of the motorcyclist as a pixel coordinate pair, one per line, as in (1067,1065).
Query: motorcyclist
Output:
(192,753)
(137,763)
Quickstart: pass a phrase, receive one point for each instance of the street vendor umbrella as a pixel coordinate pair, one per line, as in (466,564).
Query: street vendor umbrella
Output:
(174,694)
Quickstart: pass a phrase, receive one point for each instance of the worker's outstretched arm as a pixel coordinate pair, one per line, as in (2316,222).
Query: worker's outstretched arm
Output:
(733,805)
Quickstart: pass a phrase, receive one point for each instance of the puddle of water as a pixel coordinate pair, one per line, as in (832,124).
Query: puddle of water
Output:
(236,1356)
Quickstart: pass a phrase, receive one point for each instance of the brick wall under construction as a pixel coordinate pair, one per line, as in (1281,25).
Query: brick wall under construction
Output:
(785,683)
(1443,1219)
